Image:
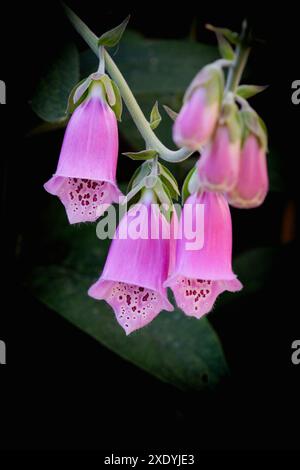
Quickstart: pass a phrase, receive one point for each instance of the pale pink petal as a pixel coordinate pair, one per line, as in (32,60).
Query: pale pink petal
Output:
(134,306)
(89,154)
(196,120)
(218,165)
(196,297)
(252,184)
(134,264)
(199,276)
(84,200)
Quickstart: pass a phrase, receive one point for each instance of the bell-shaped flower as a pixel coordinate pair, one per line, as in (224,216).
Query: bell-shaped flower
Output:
(252,182)
(85,179)
(137,266)
(197,118)
(203,254)
(218,165)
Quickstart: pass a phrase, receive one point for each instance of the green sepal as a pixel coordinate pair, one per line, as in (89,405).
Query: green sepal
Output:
(113,36)
(230,117)
(164,197)
(172,114)
(210,77)
(143,155)
(113,95)
(155,117)
(140,173)
(247,91)
(231,36)
(215,86)
(118,106)
(255,125)
(225,47)
(169,180)
(71,106)
(184,190)
(109,89)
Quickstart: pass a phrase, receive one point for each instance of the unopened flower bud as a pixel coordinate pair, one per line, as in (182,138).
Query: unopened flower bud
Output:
(197,119)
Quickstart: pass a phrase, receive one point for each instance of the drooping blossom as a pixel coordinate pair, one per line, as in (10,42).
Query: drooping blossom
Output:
(85,179)
(199,276)
(198,116)
(218,166)
(252,182)
(136,267)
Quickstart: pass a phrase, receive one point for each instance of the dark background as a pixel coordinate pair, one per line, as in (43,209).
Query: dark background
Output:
(61,389)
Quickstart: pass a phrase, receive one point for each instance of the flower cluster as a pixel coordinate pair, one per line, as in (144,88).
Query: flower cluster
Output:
(140,266)
(233,159)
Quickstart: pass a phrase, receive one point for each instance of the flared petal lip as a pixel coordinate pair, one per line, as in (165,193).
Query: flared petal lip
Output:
(232,285)
(240,203)
(57,175)
(172,278)
(92,292)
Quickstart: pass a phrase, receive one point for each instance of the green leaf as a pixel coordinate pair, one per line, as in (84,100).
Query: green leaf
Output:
(143,155)
(254,268)
(176,349)
(225,48)
(247,91)
(113,36)
(155,117)
(51,96)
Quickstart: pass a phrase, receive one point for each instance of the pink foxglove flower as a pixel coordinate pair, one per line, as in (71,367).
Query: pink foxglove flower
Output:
(85,179)
(197,118)
(218,165)
(136,268)
(252,184)
(201,275)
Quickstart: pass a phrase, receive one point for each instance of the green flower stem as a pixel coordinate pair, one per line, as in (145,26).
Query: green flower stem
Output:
(101,67)
(151,140)
(237,68)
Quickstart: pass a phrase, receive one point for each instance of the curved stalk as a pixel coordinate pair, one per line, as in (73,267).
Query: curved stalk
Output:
(151,140)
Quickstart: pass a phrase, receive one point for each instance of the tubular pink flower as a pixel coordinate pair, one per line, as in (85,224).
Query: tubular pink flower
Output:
(201,275)
(218,165)
(196,120)
(136,268)
(252,184)
(85,179)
